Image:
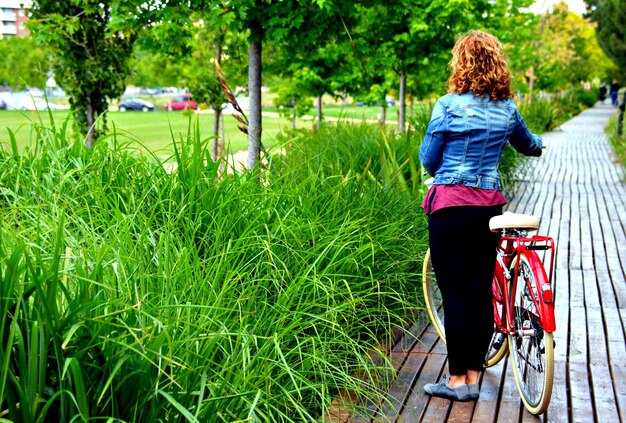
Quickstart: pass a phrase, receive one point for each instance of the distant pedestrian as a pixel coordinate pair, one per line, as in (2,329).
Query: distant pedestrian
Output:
(613,91)
(603,92)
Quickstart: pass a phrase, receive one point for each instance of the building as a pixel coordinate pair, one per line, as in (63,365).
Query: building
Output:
(12,17)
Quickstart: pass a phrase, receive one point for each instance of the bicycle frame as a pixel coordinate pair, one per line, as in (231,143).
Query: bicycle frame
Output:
(512,243)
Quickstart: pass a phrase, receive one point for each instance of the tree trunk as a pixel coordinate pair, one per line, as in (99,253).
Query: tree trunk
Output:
(402,115)
(383,115)
(254,89)
(293,113)
(215,148)
(223,128)
(531,83)
(91,126)
(319,112)
(217,111)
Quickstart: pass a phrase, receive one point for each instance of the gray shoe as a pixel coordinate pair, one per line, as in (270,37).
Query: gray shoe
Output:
(459,393)
(474,390)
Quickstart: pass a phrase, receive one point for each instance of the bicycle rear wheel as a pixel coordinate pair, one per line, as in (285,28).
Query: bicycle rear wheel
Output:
(498,345)
(530,346)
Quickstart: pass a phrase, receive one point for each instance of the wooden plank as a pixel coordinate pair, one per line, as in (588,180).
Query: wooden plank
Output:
(609,313)
(416,333)
(510,403)
(578,380)
(487,406)
(420,405)
(461,412)
(401,386)
(594,282)
(531,418)
(601,378)
(559,404)
(413,367)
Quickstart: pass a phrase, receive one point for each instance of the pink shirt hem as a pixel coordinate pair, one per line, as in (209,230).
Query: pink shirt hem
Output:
(440,196)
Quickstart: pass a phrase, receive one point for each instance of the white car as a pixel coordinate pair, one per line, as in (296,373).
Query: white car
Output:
(35,103)
(244,103)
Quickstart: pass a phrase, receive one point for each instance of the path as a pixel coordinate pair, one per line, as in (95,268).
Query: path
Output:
(578,192)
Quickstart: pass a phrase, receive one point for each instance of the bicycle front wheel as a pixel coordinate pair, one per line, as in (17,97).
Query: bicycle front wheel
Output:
(531,347)
(432,296)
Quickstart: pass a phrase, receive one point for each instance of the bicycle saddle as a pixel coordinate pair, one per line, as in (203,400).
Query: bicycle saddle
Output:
(509,220)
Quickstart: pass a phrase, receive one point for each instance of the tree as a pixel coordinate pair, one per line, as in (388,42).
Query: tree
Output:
(408,33)
(318,72)
(90,62)
(552,51)
(589,62)
(611,30)
(302,24)
(214,47)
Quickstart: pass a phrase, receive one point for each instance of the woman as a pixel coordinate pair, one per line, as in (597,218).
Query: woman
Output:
(468,130)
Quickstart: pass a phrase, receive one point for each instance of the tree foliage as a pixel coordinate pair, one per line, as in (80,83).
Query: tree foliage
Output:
(24,63)
(566,49)
(611,30)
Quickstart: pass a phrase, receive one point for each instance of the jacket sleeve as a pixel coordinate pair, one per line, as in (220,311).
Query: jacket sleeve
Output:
(431,152)
(523,140)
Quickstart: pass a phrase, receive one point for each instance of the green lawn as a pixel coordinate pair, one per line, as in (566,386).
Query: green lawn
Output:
(153,130)
(348,111)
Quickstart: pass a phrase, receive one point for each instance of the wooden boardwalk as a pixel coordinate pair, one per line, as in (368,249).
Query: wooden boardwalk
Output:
(578,192)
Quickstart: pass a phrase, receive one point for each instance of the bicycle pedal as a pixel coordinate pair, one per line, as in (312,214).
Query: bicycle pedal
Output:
(498,342)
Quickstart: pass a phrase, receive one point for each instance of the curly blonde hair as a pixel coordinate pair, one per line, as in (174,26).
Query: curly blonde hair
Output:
(478,65)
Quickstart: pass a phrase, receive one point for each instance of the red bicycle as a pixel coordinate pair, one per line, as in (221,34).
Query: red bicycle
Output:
(523,307)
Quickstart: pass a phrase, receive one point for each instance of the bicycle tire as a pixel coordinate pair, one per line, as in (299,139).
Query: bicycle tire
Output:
(434,306)
(532,355)
(432,296)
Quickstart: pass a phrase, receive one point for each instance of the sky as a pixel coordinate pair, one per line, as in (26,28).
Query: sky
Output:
(577,6)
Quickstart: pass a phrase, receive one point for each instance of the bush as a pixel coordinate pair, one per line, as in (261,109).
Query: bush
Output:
(584,97)
(617,142)
(541,114)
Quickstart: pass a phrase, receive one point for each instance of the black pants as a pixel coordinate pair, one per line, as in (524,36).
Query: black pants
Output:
(463,253)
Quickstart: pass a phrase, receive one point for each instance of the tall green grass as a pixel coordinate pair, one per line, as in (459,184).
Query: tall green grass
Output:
(132,294)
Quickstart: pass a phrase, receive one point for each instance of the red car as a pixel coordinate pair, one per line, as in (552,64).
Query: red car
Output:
(181,102)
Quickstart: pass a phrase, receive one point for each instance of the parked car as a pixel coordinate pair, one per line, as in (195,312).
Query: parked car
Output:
(35,103)
(181,102)
(244,103)
(133,103)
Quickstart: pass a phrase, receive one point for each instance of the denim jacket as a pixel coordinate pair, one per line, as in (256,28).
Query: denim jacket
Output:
(465,138)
